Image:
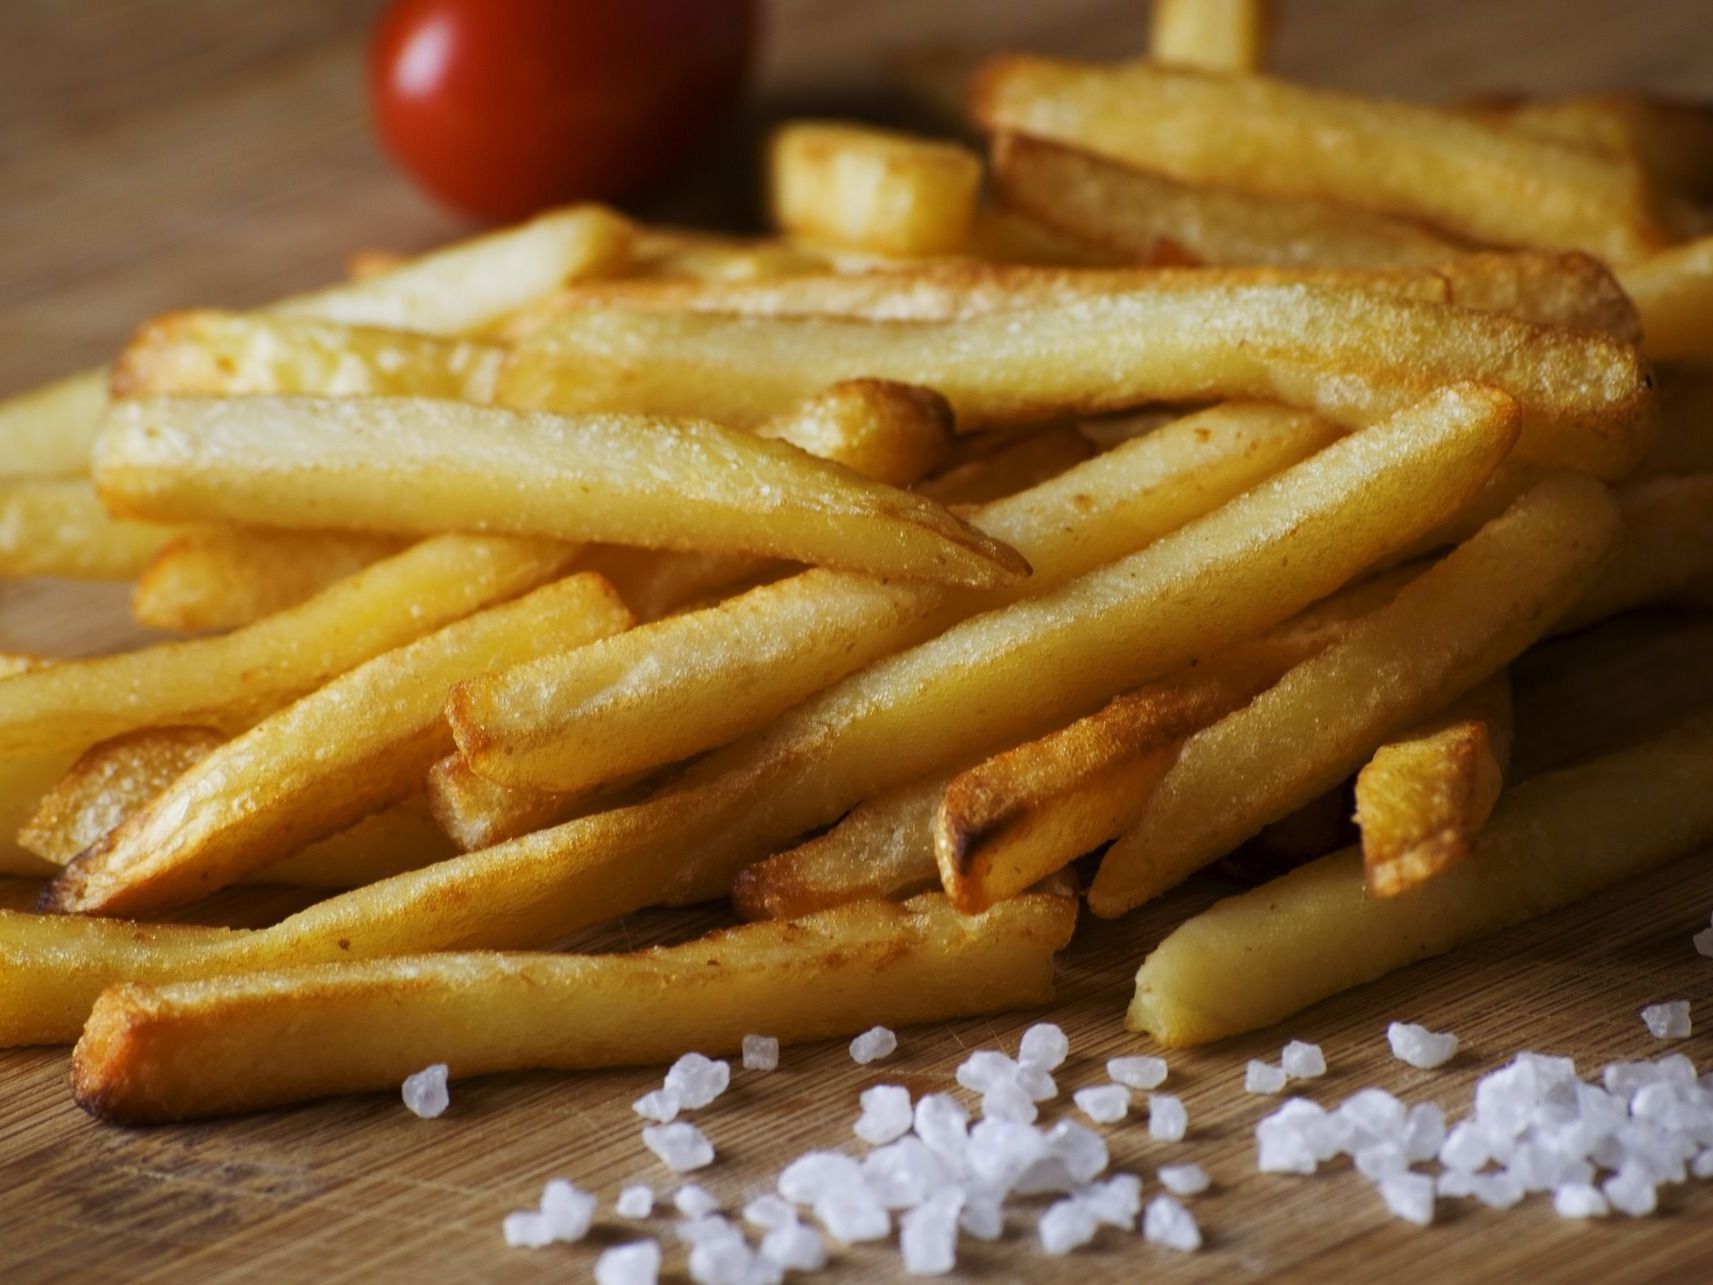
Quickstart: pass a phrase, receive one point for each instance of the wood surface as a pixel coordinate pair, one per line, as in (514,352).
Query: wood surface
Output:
(164,153)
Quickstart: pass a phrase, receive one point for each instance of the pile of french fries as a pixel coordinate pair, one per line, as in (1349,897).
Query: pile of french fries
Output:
(1002,532)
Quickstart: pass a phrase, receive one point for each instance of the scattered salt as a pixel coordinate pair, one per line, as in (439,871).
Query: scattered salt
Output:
(1184,1180)
(1262,1077)
(525,1230)
(760,1053)
(1498,1190)
(1630,1191)
(1008,1101)
(1138,1072)
(943,1124)
(1044,1045)
(1037,1082)
(886,1114)
(1424,1132)
(903,1174)
(1668,1021)
(1067,1225)
(818,1173)
(1168,1223)
(566,1210)
(635,1201)
(928,1235)
(1286,1139)
(680,1146)
(425,1093)
(1376,1113)
(696,1080)
(1420,1047)
(1302,1061)
(695,1202)
(1115,1202)
(1103,1103)
(1380,1160)
(984,1069)
(852,1214)
(768,1211)
(872,1045)
(634,1264)
(1167,1119)
(795,1247)
(1409,1196)
(1001,1151)
(1578,1200)
(660,1105)
(982,1217)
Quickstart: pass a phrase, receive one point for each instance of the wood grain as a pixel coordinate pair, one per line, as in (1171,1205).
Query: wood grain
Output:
(157,154)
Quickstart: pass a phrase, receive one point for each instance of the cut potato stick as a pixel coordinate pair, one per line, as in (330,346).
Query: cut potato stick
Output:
(1222,35)
(223,577)
(1032,459)
(1665,552)
(475,812)
(1274,138)
(883,849)
(1568,289)
(871,189)
(1450,628)
(663,692)
(1584,398)
(1254,959)
(46,432)
(167,1054)
(892,433)
(1673,291)
(231,680)
(1424,797)
(423,465)
(361,743)
(56,527)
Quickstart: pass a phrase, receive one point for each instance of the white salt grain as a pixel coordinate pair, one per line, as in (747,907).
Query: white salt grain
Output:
(1138,1072)
(984,1069)
(1424,1132)
(635,1201)
(1103,1103)
(852,1214)
(903,1174)
(760,1053)
(1668,1021)
(769,1211)
(1630,1191)
(680,1146)
(1169,1224)
(1409,1196)
(1001,1151)
(525,1229)
(425,1093)
(982,1218)
(1420,1047)
(1184,1180)
(1262,1077)
(697,1080)
(1286,1140)
(1377,1113)
(943,1123)
(1167,1119)
(886,1114)
(928,1235)
(872,1045)
(695,1202)
(1067,1225)
(660,1105)
(1008,1101)
(1703,1166)
(634,1264)
(1578,1200)
(1380,1160)
(1302,1061)
(1117,1201)
(1037,1082)
(818,1173)
(1044,1045)
(566,1211)
(795,1247)
(1498,1190)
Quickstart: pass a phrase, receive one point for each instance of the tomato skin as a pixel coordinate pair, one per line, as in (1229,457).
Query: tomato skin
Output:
(501,107)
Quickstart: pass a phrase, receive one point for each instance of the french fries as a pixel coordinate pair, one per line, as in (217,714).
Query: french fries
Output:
(871,189)
(171,1053)
(1584,398)
(1254,959)
(475,812)
(22,782)
(1450,628)
(1665,553)
(1423,798)
(423,465)
(1277,139)
(1673,291)
(56,527)
(1225,35)
(45,433)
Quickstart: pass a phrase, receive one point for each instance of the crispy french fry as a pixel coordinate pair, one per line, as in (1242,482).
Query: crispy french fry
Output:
(1259,957)
(577,719)
(422,465)
(162,1054)
(1424,796)
(231,680)
(1665,552)
(1569,289)
(871,189)
(362,743)
(1028,461)
(1584,398)
(23,781)
(1673,291)
(893,433)
(1274,138)
(45,433)
(56,527)
(1446,631)
(1222,35)
(475,812)
(223,577)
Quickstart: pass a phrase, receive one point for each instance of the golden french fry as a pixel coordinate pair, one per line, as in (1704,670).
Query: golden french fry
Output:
(475,812)
(23,781)
(579,718)
(871,189)
(46,432)
(422,465)
(56,527)
(1585,398)
(892,433)
(1256,958)
(1673,291)
(231,680)
(1274,138)
(1423,798)
(1031,459)
(1222,35)
(171,1053)
(361,743)
(1569,289)
(680,254)
(1665,552)
(1450,628)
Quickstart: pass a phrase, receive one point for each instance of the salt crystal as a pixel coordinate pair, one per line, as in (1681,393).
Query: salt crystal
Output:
(1138,1072)
(1376,1112)
(1037,1082)
(709,1230)
(1103,1103)
(1464,1148)
(982,1218)
(795,1247)
(872,1045)
(818,1173)
(566,1211)
(425,1093)
(1420,1047)
(1668,1021)
(1168,1223)
(852,1214)
(1703,1166)
(760,1053)
(1117,1201)
(1008,1101)
(1704,942)
(1409,1196)
(1380,1160)
(1070,1157)
(1044,1045)
(680,1146)
(1630,1191)
(695,1202)
(661,1106)
(697,1080)
(1497,1191)
(984,1069)
(1067,1225)
(635,1201)
(1424,1132)
(1578,1200)
(526,1229)
(1167,1119)
(726,1260)
(1184,1180)
(634,1264)
(1262,1077)
(928,1235)
(768,1211)
(1286,1140)
(943,1123)
(1454,1183)
(1001,1151)
(903,1174)
(886,1114)
(1302,1061)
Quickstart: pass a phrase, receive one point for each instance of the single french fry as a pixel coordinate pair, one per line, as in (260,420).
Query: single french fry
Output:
(1031,459)
(577,719)
(223,577)
(170,1053)
(1450,628)
(56,527)
(1568,289)
(231,680)
(1585,398)
(23,781)
(871,189)
(892,433)
(1666,549)
(1222,35)
(475,812)
(361,743)
(1254,959)
(1423,798)
(1673,291)
(423,465)
(46,432)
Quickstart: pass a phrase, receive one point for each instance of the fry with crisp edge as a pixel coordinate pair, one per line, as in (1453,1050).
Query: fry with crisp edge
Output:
(423,465)
(1666,549)
(361,743)
(231,680)
(1254,959)
(1275,138)
(1569,289)
(1585,398)
(23,781)
(153,1054)
(475,812)
(576,719)
(1673,291)
(1424,796)
(56,527)
(1222,35)
(1453,626)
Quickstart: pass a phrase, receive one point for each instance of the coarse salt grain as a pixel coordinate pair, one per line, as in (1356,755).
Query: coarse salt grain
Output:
(1184,1180)
(425,1093)
(760,1053)
(525,1230)
(1067,1225)
(1262,1077)
(1302,1061)
(1167,1119)
(886,1114)
(1103,1103)
(680,1146)
(1137,1072)
(818,1173)
(1008,1101)
(634,1264)
(768,1211)
(852,1214)
(872,1045)
(903,1174)
(1578,1200)
(1630,1191)
(1115,1202)
(943,1124)
(1409,1196)
(1424,1132)
(1167,1223)
(566,1210)
(1044,1045)
(928,1235)
(984,1068)
(697,1080)
(982,1217)
(1668,1021)
(795,1247)
(659,1105)
(695,1202)
(1421,1048)
(635,1201)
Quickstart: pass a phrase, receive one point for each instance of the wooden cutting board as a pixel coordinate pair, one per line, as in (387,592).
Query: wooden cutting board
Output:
(158,155)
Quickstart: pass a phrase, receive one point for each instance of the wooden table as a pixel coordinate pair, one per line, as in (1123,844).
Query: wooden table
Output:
(160,154)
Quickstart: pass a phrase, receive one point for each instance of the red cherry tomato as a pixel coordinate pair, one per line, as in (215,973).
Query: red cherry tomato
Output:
(501,107)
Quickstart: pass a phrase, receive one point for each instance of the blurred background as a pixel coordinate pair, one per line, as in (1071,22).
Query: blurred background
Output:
(163,153)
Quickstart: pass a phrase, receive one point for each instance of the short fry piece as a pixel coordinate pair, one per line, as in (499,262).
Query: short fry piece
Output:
(1222,35)
(475,812)
(56,527)
(1253,959)
(1673,291)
